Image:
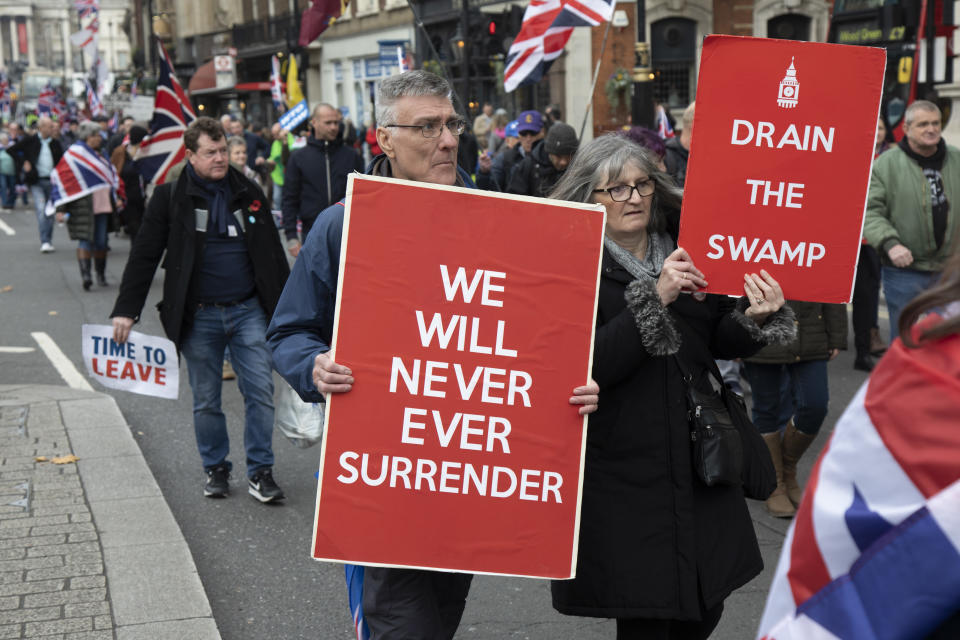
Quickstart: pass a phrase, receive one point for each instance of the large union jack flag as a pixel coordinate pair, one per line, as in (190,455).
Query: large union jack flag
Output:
(81,171)
(172,113)
(874,550)
(547,25)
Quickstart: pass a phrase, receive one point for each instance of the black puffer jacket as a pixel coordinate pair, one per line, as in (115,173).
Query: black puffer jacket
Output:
(535,175)
(315,178)
(654,541)
(169,226)
(820,329)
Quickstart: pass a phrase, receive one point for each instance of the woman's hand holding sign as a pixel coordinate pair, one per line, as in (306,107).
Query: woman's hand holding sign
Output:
(764,294)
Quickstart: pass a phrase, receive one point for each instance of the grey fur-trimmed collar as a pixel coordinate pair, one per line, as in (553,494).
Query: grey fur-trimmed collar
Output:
(780,327)
(658,333)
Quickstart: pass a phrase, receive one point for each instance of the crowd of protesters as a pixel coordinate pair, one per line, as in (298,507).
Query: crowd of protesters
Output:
(658,552)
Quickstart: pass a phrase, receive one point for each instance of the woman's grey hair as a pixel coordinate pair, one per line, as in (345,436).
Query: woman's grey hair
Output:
(235,141)
(604,160)
(87,129)
(412,83)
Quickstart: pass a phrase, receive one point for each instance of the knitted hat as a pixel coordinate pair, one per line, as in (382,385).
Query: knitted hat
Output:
(561,140)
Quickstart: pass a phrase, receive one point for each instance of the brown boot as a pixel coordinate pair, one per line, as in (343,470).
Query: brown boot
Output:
(778,504)
(794,444)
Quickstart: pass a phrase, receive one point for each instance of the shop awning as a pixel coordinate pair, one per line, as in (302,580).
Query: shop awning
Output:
(204,80)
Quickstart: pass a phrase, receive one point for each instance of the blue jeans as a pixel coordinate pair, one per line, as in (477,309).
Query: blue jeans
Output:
(243,327)
(41,192)
(100,224)
(782,391)
(900,286)
(8,190)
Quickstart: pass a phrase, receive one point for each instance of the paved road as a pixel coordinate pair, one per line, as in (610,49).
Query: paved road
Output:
(253,559)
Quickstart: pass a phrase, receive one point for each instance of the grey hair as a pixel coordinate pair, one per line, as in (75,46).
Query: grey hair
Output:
(87,129)
(919,105)
(412,83)
(605,159)
(235,141)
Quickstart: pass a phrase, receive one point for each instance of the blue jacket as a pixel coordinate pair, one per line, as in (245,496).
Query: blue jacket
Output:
(302,325)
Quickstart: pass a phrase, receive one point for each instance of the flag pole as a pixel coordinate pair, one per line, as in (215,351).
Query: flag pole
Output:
(596,75)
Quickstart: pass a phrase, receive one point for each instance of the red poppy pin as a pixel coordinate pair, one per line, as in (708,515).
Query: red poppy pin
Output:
(255,206)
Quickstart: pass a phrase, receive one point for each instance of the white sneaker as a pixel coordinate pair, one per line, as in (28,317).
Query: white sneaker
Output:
(46,247)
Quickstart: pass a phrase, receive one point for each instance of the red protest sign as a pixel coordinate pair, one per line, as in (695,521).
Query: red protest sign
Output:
(467,319)
(780,161)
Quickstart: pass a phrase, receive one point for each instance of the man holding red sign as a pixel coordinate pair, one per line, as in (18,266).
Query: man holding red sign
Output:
(419,138)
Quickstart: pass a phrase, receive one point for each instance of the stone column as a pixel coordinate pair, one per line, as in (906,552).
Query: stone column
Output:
(2,61)
(31,55)
(14,42)
(67,45)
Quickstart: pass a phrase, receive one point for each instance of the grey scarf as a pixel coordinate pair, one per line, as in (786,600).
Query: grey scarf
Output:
(659,246)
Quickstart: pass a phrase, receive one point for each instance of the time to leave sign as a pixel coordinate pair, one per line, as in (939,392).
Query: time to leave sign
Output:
(780,161)
(467,319)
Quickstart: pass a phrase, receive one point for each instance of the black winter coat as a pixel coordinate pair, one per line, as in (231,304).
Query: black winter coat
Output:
(169,225)
(315,178)
(654,541)
(535,175)
(28,148)
(820,329)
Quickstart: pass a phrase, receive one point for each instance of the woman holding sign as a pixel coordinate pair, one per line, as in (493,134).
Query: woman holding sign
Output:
(659,550)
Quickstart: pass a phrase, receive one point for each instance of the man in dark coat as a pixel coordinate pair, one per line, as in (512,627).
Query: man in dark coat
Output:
(539,172)
(678,148)
(38,154)
(316,175)
(225,269)
(418,133)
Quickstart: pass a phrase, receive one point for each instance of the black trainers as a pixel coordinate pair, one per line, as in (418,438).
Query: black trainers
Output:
(263,487)
(218,482)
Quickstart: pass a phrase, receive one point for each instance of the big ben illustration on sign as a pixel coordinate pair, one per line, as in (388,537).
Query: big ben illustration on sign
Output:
(789,88)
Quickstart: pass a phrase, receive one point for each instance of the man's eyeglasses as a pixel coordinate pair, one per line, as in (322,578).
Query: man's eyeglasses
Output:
(434,129)
(623,192)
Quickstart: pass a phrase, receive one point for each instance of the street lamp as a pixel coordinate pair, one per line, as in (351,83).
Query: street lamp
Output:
(642,104)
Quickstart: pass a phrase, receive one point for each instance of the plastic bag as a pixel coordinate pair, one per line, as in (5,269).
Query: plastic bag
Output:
(301,422)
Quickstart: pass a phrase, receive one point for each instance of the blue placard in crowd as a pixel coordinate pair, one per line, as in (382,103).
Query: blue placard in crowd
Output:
(295,116)
(372,67)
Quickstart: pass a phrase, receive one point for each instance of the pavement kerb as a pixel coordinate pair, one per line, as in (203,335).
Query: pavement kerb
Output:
(152,583)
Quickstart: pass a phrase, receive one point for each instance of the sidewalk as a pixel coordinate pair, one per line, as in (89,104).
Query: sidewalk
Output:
(88,549)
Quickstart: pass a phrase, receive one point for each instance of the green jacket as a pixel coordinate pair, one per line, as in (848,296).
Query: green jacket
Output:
(899,209)
(279,158)
(80,223)
(820,328)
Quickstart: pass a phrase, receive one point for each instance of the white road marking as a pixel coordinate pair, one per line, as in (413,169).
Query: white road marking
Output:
(60,362)
(7,229)
(16,349)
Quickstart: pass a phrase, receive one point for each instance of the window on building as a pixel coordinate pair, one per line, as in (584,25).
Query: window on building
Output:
(673,49)
(789,26)
(366,6)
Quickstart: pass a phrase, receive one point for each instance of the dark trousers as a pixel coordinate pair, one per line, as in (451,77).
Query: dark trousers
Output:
(653,629)
(410,604)
(866,298)
(305,225)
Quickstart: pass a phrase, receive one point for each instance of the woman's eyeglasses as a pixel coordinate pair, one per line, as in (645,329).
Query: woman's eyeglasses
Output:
(623,192)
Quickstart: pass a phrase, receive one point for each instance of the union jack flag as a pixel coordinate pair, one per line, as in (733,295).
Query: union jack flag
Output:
(664,130)
(874,550)
(86,7)
(276,92)
(172,113)
(354,575)
(4,94)
(547,25)
(93,101)
(46,100)
(81,171)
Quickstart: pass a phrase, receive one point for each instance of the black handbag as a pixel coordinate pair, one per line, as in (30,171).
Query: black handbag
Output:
(715,441)
(718,457)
